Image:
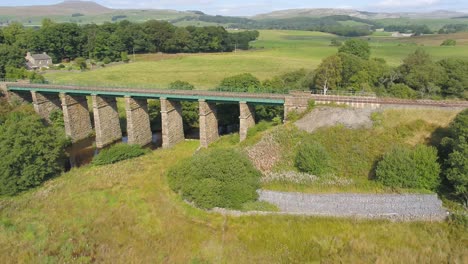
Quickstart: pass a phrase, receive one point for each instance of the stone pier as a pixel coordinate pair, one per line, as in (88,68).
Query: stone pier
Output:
(138,122)
(208,123)
(76,116)
(294,103)
(45,104)
(106,120)
(246,118)
(19,97)
(171,122)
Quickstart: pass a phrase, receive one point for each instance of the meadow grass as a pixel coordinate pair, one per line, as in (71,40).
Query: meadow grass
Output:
(354,152)
(125,212)
(275,52)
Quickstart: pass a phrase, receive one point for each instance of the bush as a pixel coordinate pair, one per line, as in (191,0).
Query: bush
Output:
(241,83)
(106,60)
(449,42)
(30,152)
(312,158)
(216,178)
(455,156)
(118,152)
(403,167)
(400,90)
(181,85)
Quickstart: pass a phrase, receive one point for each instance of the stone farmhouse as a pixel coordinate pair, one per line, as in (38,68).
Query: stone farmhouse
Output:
(37,61)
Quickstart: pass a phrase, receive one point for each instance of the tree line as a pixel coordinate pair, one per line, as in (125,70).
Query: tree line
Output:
(419,76)
(67,41)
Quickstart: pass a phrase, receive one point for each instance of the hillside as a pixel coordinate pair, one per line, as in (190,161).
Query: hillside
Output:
(61,9)
(126,212)
(323,12)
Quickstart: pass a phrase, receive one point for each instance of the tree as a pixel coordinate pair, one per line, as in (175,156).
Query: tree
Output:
(31,152)
(454,154)
(456,84)
(356,47)
(328,74)
(10,56)
(422,74)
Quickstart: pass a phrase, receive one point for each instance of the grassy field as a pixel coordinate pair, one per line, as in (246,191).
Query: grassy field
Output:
(275,52)
(126,213)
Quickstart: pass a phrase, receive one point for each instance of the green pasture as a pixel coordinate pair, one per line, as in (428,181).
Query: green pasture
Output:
(274,53)
(126,212)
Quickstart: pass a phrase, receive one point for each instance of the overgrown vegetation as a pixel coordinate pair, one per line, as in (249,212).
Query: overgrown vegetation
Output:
(31,152)
(313,158)
(118,152)
(415,168)
(129,204)
(454,155)
(216,178)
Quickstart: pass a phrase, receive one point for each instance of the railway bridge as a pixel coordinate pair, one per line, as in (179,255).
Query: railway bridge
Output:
(72,101)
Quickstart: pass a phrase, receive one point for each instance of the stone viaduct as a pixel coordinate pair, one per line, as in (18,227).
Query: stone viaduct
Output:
(72,101)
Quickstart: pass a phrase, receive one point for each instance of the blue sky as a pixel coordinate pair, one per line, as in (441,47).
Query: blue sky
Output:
(251,7)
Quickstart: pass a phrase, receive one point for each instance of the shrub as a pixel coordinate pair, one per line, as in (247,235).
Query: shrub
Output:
(449,42)
(216,178)
(455,156)
(403,167)
(30,152)
(106,60)
(118,152)
(81,62)
(311,157)
(240,83)
(181,85)
(400,90)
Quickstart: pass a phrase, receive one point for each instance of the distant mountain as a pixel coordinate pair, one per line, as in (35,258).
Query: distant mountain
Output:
(64,8)
(322,12)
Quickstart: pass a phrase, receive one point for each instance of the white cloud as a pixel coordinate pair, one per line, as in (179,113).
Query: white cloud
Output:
(408,3)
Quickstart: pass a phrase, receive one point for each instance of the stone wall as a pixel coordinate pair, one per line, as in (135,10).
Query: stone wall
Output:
(246,119)
(45,104)
(76,116)
(106,120)
(295,103)
(208,123)
(171,122)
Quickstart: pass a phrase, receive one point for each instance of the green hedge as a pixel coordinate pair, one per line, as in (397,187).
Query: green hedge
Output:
(118,152)
(216,178)
(403,167)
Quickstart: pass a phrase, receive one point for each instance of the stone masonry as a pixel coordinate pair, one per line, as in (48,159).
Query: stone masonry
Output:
(171,122)
(45,104)
(138,123)
(246,118)
(295,104)
(106,120)
(76,116)
(208,123)
(401,207)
